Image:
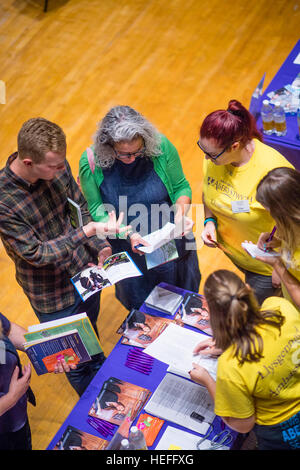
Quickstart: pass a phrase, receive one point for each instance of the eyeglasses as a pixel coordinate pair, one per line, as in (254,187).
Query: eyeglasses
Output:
(213,157)
(123,156)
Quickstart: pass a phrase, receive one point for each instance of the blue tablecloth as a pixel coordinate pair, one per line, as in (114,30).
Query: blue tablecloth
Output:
(288,145)
(115,366)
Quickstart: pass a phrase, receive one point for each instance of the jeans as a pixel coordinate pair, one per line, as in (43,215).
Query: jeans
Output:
(282,436)
(261,285)
(80,377)
(18,440)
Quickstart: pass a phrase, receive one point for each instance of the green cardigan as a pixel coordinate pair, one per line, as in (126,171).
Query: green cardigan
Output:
(167,166)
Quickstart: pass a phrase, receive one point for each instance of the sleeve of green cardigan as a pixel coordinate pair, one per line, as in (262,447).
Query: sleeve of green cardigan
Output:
(90,189)
(180,185)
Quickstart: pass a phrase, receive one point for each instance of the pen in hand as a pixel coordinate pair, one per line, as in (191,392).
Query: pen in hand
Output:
(270,237)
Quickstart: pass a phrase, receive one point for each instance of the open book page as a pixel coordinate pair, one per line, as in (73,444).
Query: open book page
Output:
(254,251)
(120,266)
(93,279)
(182,402)
(177,439)
(175,346)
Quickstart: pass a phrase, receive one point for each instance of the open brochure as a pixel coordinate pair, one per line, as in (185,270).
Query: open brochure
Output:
(71,338)
(118,398)
(254,251)
(175,346)
(194,312)
(141,329)
(115,268)
(182,402)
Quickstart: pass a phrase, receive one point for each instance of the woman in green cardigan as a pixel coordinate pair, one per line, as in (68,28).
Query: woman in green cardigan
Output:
(136,170)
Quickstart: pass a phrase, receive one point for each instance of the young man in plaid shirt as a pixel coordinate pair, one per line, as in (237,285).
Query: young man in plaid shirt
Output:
(37,233)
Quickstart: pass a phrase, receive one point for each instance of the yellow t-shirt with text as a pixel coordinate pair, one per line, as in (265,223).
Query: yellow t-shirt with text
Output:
(270,388)
(225,184)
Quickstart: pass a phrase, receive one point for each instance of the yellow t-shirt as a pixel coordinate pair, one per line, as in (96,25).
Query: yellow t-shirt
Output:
(294,270)
(225,184)
(270,388)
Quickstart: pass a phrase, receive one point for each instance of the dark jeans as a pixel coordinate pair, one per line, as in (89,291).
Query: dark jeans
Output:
(18,440)
(261,285)
(80,377)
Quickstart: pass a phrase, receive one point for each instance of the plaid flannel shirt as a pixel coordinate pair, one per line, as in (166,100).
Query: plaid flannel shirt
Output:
(36,231)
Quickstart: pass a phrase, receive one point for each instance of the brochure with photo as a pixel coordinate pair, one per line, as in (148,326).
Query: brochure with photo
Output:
(118,398)
(194,312)
(115,268)
(141,329)
(74,439)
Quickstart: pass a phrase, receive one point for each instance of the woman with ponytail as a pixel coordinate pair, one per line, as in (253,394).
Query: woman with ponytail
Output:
(258,376)
(235,161)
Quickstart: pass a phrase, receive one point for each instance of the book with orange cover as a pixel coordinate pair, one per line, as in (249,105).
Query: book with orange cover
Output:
(68,355)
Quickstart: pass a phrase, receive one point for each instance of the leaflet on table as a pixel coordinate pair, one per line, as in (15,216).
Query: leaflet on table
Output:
(177,439)
(115,268)
(254,251)
(175,346)
(194,312)
(75,439)
(140,329)
(182,402)
(287,96)
(162,255)
(116,399)
(164,300)
(44,353)
(80,323)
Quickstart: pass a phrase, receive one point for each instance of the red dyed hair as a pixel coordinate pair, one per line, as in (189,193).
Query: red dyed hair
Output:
(236,124)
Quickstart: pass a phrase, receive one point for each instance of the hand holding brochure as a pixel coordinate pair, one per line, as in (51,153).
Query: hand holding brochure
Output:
(115,268)
(158,238)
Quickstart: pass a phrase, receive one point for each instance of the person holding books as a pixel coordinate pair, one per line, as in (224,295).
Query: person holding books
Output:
(279,193)
(15,391)
(258,375)
(235,161)
(37,230)
(134,168)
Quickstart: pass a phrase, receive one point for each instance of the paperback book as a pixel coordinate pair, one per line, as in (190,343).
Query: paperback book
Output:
(194,312)
(74,439)
(72,338)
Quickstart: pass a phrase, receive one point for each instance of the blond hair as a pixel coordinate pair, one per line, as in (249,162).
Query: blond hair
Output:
(38,136)
(279,192)
(235,315)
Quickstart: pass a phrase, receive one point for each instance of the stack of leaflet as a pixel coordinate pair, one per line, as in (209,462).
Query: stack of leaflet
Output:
(164,300)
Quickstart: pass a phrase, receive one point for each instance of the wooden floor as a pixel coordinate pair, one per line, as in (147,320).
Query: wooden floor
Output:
(173,60)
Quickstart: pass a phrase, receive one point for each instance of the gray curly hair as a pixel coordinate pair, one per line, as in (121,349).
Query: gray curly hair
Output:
(123,123)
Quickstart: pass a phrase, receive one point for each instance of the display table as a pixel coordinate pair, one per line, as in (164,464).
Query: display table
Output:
(288,145)
(115,366)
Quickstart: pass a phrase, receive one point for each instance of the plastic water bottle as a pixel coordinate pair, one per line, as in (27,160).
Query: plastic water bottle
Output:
(137,439)
(125,445)
(267,117)
(279,119)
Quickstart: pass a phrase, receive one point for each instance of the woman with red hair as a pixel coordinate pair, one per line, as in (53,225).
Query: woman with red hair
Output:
(236,159)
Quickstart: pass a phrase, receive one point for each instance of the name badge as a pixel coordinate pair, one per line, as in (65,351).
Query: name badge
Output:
(240,206)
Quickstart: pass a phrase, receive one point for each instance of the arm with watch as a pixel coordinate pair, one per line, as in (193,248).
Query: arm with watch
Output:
(209,234)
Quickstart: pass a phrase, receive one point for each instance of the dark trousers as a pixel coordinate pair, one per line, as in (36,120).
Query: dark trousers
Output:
(80,377)
(18,440)
(261,285)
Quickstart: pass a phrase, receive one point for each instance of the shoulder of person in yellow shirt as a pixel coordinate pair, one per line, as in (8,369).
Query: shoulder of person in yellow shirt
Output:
(267,157)
(240,393)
